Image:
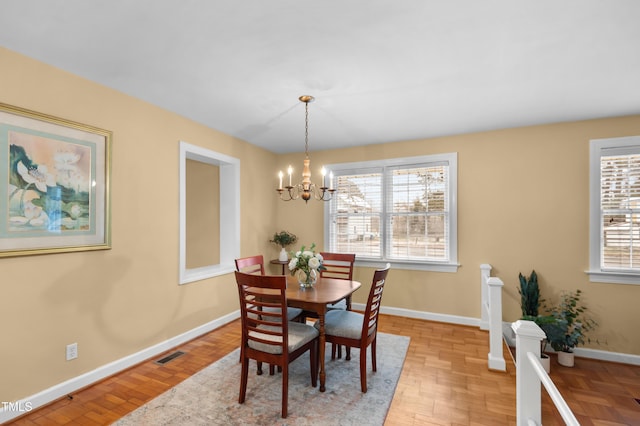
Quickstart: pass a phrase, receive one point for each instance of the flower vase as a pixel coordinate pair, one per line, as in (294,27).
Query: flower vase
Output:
(307,279)
(283,257)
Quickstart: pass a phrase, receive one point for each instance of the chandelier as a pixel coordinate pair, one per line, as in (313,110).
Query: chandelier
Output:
(306,189)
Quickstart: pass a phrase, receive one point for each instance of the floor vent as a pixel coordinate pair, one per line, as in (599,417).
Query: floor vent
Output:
(170,357)
(637,400)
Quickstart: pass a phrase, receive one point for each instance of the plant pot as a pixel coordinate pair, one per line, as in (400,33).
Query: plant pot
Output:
(546,362)
(566,359)
(283,257)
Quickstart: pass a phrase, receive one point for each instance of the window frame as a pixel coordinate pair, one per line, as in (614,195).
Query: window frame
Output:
(386,165)
(598,149)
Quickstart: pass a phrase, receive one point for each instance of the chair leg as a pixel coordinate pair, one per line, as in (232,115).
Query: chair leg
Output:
(333,351)
(259,371)
(285,388)
(339,351)
(373,353)
(243,380)
(348,350)
(363,369)
(313,357)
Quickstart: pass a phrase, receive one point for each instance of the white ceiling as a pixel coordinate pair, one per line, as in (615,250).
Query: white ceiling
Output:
(381,70)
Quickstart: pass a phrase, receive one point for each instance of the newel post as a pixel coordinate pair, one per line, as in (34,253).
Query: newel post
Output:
(528,387)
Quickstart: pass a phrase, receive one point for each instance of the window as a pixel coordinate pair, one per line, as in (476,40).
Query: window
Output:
(615,210)
(400,210)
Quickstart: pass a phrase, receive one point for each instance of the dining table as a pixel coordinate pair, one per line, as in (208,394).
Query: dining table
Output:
(315,299)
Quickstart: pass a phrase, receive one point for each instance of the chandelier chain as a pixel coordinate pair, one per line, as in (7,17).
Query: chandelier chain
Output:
(306,129)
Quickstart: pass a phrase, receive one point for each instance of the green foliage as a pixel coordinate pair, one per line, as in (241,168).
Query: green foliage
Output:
(529,295)
(283,238)
(571,324)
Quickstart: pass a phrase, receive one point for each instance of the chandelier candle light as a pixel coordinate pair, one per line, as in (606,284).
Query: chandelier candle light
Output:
(306,188)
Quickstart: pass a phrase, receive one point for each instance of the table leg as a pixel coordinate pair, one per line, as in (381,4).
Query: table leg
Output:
(321,351)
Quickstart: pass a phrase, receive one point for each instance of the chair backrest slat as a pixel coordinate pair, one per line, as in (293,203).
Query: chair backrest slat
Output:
(338,265)
(251,265)
(259,292)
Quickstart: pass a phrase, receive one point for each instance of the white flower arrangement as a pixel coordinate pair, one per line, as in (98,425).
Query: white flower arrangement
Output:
(306,261)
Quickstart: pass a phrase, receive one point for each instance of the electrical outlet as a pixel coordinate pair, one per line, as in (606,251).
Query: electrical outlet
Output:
(72,351)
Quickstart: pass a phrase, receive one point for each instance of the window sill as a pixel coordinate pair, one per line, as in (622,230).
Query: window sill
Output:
(613,277)
(422,266)
(205,272)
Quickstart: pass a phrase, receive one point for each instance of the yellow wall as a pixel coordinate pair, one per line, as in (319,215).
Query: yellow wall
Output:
(523,204)
(114,303)
(202,215)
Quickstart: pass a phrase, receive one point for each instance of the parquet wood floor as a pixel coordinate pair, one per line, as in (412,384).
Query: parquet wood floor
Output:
(444,381)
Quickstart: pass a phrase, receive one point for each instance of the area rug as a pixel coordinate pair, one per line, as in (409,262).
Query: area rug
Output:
(210,397)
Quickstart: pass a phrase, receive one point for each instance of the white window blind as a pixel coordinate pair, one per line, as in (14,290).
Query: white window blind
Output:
(620,202)
(615,210)
(357,214)
(399,210)
(418,212)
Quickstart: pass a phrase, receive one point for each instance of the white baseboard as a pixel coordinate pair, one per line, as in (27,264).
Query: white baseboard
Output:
(21,407)
(452,319)
(607,356)
(582,352)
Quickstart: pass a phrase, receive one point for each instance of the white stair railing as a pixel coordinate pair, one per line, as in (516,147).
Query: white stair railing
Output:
(530,374)
(491,316)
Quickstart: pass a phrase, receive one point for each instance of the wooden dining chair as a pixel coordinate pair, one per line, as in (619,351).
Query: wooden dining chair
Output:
(271,338)
(356,330)
(255,265)
(340,266)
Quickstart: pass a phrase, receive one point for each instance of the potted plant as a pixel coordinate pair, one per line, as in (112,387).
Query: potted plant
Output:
(569,328)
(530,305)
(529,295)
(283,239)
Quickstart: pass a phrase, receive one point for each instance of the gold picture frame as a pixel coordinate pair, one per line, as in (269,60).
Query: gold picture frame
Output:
(54,193)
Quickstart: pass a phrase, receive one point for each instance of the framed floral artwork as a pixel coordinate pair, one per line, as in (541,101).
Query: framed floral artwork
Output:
(54,188)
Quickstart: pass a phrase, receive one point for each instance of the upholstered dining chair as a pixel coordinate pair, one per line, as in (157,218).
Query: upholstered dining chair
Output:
(356,330)
(255,265)
(272,338)
(340,266)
